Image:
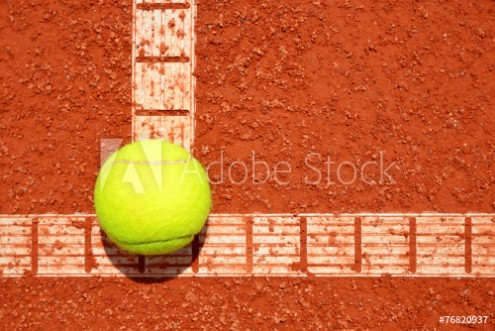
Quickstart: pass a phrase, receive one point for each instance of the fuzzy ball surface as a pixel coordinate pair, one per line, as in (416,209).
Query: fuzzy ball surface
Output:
(152,197)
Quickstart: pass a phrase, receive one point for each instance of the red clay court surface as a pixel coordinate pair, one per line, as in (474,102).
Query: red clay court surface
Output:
(408,82)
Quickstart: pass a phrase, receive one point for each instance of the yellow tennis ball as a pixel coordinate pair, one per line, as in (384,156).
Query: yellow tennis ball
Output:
(152,197)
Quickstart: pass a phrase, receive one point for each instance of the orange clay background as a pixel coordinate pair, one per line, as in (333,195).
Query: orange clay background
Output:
(349,79)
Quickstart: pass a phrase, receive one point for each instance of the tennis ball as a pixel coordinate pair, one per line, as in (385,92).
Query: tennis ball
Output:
(151,197)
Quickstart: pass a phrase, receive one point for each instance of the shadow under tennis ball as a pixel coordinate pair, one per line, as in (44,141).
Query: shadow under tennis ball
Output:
(155,268)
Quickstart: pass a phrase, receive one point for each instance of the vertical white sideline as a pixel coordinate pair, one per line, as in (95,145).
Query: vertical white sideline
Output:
(163,102)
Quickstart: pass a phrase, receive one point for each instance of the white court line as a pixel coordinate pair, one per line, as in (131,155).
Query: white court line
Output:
(162,71)
(319,245)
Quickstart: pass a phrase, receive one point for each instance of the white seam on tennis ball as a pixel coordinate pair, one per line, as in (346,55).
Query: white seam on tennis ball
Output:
(181,161)
(156,241)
